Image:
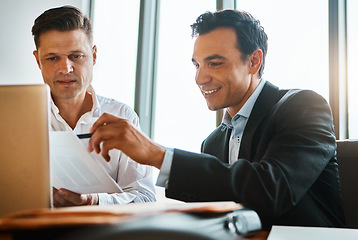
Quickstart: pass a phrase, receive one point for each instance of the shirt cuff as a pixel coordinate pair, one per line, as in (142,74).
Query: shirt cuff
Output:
(104,199)
(163,177)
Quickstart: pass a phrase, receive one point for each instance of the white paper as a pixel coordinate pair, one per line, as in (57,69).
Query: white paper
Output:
(311,233)
(73,168)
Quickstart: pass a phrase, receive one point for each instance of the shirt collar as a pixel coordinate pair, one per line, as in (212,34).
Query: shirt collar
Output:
(246,110)
(96,109)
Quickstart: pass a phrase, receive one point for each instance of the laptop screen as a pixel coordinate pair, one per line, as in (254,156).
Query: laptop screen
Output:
(24,148)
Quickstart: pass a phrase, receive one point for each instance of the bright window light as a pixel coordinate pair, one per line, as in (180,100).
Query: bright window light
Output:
(182,119)
(297,32)
(115,32)
(352,47)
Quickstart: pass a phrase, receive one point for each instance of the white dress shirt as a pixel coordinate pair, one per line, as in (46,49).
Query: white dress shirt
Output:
(135,179)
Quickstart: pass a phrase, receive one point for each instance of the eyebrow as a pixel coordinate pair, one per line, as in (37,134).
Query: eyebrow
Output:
(77,51)
(49,54)
(55,54)
(211,57)
(215,56)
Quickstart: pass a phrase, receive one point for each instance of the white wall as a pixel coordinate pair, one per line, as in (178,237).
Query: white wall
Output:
(17,64)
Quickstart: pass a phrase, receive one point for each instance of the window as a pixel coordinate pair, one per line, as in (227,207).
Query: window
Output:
(298,57)
(352,52)
(182,119)
(297,32)
(115,32)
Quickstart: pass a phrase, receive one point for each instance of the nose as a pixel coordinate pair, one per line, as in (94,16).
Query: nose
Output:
(65,65)
(202,77)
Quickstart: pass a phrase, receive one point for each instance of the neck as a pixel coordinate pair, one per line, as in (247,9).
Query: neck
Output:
(71,110)
(233,110)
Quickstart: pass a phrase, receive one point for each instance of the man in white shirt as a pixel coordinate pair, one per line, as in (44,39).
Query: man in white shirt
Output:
(66,56)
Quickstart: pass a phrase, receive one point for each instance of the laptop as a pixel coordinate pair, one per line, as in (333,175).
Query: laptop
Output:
(24,148)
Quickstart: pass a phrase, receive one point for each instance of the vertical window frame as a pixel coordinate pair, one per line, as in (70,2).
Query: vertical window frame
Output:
(338,92)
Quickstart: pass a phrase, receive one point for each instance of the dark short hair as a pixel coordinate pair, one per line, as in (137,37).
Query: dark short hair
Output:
(66,18)
(250,34)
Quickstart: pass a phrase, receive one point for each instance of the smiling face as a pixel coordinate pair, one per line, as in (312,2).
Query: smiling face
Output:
(66,62)
(225,80)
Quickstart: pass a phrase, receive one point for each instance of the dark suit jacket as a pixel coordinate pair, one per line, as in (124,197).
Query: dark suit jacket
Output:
(287,169)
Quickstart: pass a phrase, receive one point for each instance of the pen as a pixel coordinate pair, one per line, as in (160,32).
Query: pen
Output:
(84,135)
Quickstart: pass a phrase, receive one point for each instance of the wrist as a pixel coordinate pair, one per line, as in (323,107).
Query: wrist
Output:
(93,199)
(158,156)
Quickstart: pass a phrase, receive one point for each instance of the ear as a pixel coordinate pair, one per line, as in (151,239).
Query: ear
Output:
(255,61)
(36,54)
(94,54)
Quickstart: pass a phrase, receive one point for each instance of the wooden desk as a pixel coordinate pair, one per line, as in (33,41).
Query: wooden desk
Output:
(220,220)
(5,236)
(262,235)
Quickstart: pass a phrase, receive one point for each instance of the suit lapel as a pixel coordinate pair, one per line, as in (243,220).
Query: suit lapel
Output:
(217,144)
(264,103)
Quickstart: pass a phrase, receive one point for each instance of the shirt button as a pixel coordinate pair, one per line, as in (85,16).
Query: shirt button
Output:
(238,139)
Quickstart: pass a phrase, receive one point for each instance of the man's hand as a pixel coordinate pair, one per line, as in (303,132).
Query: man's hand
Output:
(65,198)
(111,132)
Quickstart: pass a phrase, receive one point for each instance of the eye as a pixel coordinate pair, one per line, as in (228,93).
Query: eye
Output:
(215,64)
(76,57)
(196,65)
(52,59)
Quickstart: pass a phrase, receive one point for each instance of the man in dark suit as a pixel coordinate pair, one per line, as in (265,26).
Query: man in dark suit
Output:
(275,149)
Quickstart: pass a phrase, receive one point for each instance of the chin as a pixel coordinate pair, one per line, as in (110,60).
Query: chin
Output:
(213,108)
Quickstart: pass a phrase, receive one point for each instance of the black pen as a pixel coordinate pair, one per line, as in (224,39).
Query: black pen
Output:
(84,135)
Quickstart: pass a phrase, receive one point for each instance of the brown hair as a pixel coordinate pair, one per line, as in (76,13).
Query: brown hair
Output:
(66,18)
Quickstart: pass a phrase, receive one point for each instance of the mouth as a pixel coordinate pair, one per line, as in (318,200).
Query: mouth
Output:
(66,82)
(210,92)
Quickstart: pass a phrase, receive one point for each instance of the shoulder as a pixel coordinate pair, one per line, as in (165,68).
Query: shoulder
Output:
(273,97)
(302,108)
(117,108)
(272,94)
(284,108)
(303,98)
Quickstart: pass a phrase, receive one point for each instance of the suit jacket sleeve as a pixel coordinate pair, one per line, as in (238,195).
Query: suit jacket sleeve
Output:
(285,150)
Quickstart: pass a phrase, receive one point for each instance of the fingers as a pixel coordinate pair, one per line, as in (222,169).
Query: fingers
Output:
(104,119)
(106,146)
(94,143)
(108,129)
(105,155)
(103,129)
(119,134)
(72,197)
(59,199)
(66,198)
(110,132)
